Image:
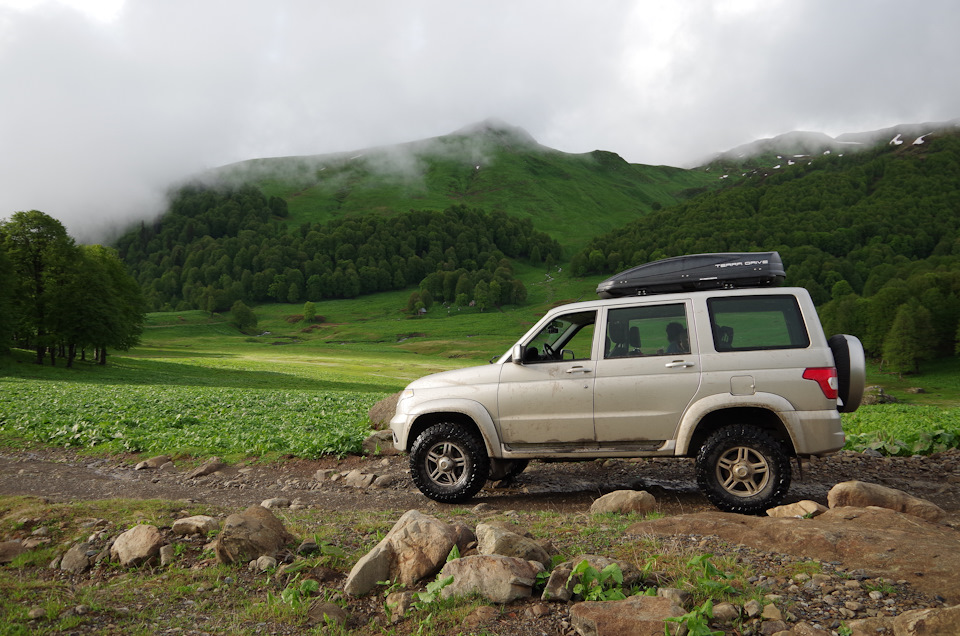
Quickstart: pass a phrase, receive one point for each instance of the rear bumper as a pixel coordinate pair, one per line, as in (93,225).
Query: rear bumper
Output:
(815,432)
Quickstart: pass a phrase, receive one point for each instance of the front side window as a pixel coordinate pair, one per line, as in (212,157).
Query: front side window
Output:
(566,337)
(749,323)
(647,330)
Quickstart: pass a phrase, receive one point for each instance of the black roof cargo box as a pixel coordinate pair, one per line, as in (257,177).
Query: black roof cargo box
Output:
(696,272)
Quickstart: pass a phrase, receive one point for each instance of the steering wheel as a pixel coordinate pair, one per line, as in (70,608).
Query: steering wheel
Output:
(548,351)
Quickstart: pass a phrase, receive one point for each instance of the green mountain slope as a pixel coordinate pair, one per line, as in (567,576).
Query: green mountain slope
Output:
(490,166)
(872,235)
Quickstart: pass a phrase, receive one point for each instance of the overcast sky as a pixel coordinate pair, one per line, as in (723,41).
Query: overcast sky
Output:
(104,103)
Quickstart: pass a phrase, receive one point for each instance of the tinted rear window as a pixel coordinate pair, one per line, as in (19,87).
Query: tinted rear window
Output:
(747,323)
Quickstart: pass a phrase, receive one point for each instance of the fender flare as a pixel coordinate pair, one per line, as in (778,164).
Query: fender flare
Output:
(775,404)
(472,409)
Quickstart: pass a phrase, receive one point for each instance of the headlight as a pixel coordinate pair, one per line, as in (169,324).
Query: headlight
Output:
(406,394)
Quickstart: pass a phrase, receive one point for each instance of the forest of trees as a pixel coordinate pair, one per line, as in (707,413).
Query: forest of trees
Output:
(60,298)
(874,236)
(217,246)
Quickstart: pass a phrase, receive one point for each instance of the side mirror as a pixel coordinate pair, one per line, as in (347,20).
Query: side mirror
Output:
(516,354)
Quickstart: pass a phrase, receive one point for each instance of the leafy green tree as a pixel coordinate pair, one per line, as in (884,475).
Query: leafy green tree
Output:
(242,317)
(40,252)
(309,311)
(8,319)
(910,339)
(481,295)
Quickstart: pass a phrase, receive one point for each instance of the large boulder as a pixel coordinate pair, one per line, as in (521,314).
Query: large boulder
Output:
(862,494)
(928,622)
(887,543)
(416,547)
(253,533)
(499,579)
(138,545)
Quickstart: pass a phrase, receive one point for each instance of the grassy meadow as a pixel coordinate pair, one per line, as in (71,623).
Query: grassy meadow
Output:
(196,386)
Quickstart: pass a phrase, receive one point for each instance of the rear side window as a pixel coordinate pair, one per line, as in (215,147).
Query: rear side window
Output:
(747,323)
(646,330)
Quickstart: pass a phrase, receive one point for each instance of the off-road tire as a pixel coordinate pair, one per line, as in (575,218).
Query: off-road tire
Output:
(449,463)
(743,469)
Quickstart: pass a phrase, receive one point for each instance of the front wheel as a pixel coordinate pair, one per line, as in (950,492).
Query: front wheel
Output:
(743,469)
(448,463)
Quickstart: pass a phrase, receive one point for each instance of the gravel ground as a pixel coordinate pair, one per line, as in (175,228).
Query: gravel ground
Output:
(825,599)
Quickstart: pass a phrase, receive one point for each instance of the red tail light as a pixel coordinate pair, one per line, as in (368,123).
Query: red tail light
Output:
(826,377)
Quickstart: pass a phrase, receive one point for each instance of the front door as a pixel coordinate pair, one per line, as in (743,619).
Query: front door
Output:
(548,399)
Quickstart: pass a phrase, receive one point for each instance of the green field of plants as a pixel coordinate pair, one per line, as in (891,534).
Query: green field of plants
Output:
(196,386)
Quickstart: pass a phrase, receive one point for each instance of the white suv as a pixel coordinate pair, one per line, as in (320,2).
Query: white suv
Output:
(743,379)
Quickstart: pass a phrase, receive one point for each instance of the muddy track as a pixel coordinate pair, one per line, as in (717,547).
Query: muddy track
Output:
(64,475)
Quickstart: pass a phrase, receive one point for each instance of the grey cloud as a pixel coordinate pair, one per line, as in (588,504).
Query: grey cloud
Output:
(98,118)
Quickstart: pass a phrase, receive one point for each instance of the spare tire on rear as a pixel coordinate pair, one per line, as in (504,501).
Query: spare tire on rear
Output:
(851,370)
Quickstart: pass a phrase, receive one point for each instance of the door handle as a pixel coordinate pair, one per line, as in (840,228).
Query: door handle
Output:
(578,370)
(679,364)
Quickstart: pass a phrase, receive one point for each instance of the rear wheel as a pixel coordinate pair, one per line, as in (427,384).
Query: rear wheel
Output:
(449,463)
(743,469)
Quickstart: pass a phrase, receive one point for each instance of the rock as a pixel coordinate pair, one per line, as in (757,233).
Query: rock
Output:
(265,563)
(480,616)
(358,479)
(725,613)
(769,628)
(253,533)
(681,598)
(637,616)
(771,613)
(801,509)
(560,584)
(326,613)
(212,465)
(416,547)
(388,481)
(153,462)
(323,474)
(876,626)
(876,395)
(76,560)
(36,613)
(275,502)
(877,540)
(624,502)
(138,545)
(383,411)
(9,550)
(197,524)
(928,622)
(806,629)
(379,443)
(499,579)
(862,494)
(752,608)
(398,604)
(496,540)
(167,554)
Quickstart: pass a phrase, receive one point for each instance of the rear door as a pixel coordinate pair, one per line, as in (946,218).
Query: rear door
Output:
(648,373)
